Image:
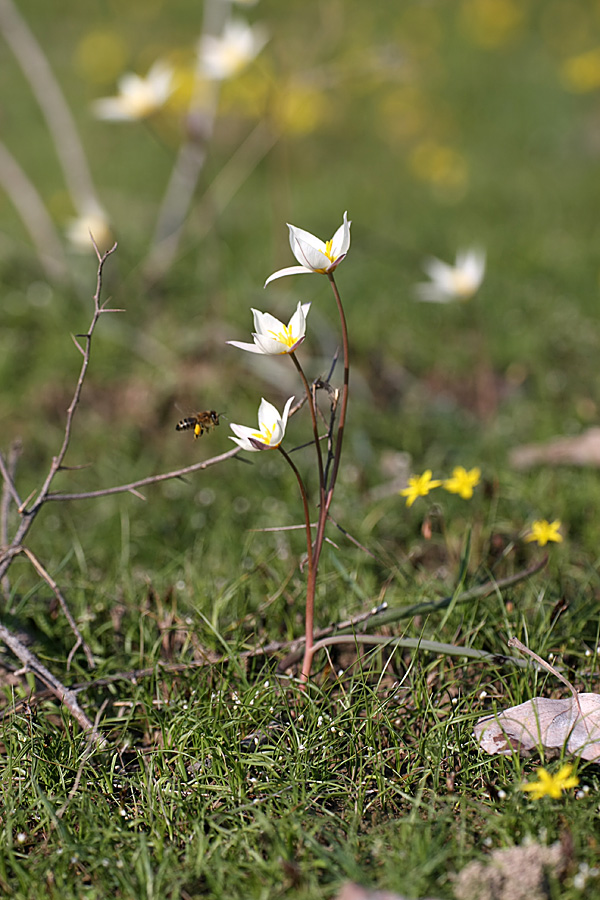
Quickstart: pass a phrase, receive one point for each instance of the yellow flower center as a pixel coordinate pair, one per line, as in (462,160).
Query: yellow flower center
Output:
(329,250)
(233,59)
(462,284)
(264,435)
(284,337)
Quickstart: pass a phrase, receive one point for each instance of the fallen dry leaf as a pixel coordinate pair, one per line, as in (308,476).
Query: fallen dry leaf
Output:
(567,723)
(581,450)
(572,723)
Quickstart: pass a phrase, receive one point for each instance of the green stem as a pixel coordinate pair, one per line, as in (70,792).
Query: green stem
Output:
(312,580)
(328,489)
(374,640)
(313,415)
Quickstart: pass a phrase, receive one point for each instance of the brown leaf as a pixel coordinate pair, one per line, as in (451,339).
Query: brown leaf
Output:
(571,723)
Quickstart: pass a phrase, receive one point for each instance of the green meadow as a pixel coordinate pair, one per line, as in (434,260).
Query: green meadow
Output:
(439,127)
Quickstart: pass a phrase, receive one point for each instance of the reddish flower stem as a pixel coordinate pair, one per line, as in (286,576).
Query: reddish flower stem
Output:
(326,492)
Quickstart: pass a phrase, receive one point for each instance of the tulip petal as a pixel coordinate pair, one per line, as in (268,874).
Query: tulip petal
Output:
(270,345)
(265,323)
(299,234)
(268,414)
(431,293)
(297,324)
(312,257)
(251,348)
(340,243)
(290,270)
(286,411)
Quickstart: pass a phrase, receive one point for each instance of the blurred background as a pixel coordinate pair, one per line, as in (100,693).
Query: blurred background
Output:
(438,126)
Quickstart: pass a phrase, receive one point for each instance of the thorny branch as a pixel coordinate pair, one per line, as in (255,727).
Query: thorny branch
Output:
(66,696)
(15,547)
(67,612)
(9,492)
(142,482)
(28,515)
(344,632)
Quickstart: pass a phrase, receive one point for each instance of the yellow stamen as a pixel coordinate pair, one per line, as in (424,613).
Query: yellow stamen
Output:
(284,337)
(329,250)
(265,435)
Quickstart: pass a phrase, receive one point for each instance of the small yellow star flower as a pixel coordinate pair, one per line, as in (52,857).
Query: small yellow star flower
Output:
(551,785)
(463,482)
(543,531)
(419,486)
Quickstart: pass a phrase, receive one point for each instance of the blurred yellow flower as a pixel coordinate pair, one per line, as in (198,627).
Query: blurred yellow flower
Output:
(441,166)
(581,73)
(549,785)
(492,23)
(101,55)
(543,531)
(402,114)
(419,486)
(463,482)
(300,109)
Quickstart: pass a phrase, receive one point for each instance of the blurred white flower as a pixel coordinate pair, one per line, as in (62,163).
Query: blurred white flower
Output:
(271,428)
(138,97)
(458,282)
(272,336)
(224,56)
(314,254)
(95,223)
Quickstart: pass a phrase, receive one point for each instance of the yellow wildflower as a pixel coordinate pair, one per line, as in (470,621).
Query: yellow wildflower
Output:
(463,482)
(419,486)
(551,785)
(543,531)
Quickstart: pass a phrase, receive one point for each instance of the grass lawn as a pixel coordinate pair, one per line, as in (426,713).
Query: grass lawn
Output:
(439,127)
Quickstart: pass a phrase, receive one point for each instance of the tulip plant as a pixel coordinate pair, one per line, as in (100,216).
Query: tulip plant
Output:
(272,337)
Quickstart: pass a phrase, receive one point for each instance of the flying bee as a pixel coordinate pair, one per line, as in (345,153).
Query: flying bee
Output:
(201,422)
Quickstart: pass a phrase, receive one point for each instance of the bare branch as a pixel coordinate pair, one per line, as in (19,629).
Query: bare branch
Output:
(58,689)
(58,459)
(77,344)
(29,515)
(384,615)
(59,596)
(151,479)
(8,488)
(9,492)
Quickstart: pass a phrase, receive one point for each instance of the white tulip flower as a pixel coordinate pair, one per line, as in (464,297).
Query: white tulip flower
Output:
(225,56)
(271,428)
(314,254)
(458,282)
(138,97)
(272,337)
